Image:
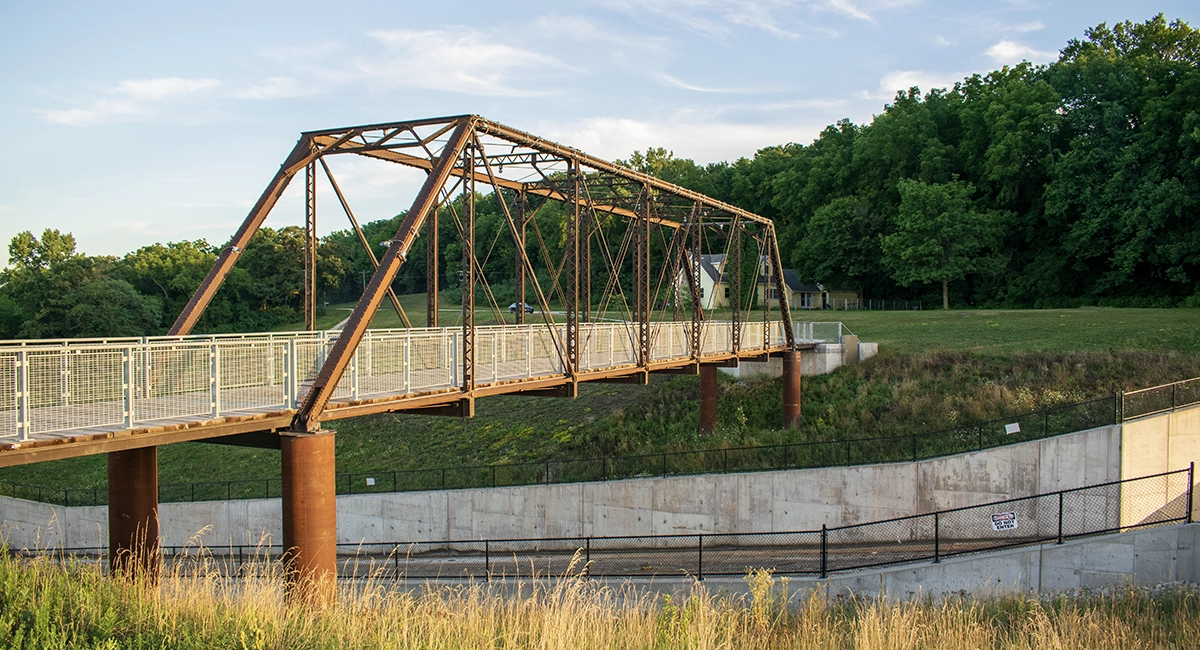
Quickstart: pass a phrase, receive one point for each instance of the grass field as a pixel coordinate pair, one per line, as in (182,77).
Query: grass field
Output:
(936,369)
(1023,330)
(44,605)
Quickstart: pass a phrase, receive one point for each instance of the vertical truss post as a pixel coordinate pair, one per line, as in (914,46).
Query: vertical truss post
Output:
(522,205)
(468,270)
(431,268)
(735,284)
(768,282)
(641,276)
(571,294)
(785,312)
(587,266)
(310,247)
(694,279)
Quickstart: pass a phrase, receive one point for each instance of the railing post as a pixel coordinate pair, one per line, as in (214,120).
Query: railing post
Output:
(699,557)
(937,542)
(1060,517)
(824,551)
(1191,478)
(23,405)
(214,383)
(290,365)
(130,380)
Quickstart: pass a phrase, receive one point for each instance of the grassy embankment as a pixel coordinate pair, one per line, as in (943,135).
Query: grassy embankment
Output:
(936,369)
(47,605)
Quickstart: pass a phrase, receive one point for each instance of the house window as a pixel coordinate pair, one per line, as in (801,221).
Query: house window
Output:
(701,292)
(774,294)
(726,292)
(806,300)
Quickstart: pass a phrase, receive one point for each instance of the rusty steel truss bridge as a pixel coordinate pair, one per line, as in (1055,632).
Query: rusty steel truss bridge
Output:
(622,299)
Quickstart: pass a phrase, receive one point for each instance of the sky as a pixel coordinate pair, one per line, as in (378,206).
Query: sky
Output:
(130,123)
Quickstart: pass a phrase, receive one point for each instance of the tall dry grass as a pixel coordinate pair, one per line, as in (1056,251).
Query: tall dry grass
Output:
(47,604)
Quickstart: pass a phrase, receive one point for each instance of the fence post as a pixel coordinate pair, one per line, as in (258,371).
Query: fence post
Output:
(664,465)
(914,447)
(547,472)
(1191,478)
(937,542)
(1046,425)
(493,476)
(824,551)
(699,557)
(1060,517)
(587,553)
(127,370)
(487,560)
(443,478)
(724,461)
(1119,407)
(214,383)
(23,402)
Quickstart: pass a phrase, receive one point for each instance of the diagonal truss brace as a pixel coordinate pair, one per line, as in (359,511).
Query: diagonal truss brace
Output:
(308,417)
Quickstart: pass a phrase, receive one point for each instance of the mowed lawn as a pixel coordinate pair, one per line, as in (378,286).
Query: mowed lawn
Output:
(1022,330)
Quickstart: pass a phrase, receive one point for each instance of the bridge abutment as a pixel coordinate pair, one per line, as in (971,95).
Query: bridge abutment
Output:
(708,398)
(309,510)
(791,388)
(133,512)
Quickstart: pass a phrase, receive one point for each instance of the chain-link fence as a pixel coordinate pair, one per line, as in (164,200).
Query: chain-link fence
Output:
(1056,517)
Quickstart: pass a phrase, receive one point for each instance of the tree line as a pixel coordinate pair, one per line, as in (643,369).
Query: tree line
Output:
(1072,183)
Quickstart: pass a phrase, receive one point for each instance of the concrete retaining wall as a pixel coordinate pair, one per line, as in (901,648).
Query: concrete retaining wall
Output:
(750,502)
(1150,556)
(826,358)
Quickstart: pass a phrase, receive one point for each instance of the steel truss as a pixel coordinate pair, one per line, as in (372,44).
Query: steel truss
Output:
(645,232)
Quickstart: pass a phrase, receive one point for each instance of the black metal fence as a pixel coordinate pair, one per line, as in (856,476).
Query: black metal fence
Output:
(1055,517)
(1160,399)
(851,304)
(854,451)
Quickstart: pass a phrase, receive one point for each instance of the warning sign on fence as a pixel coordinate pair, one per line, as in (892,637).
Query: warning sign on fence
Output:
(1004,521)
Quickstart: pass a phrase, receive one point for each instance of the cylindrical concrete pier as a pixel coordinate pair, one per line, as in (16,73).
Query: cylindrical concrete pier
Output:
(708,399)
(309,511)
(791,388)
(133,513)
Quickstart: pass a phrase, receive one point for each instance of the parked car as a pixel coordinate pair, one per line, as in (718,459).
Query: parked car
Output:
(512,309)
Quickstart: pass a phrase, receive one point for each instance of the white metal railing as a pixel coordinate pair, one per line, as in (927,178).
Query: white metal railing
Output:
(60,385)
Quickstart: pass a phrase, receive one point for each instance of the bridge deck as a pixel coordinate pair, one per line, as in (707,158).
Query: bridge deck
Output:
(74,397)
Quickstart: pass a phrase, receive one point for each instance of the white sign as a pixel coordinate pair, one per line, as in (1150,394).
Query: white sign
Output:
(1010,429)
(1004,521)
(370,481)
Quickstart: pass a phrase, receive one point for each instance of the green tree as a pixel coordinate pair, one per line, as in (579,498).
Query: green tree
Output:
(841,244)
(939,237)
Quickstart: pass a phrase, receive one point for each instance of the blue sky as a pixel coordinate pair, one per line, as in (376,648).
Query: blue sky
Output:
(131,123)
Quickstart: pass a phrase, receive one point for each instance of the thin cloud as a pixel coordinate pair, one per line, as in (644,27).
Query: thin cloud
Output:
(132,98)
(679,83)
(277,88)
(461,61)
(1007,51)
(925,80)
(689,135)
